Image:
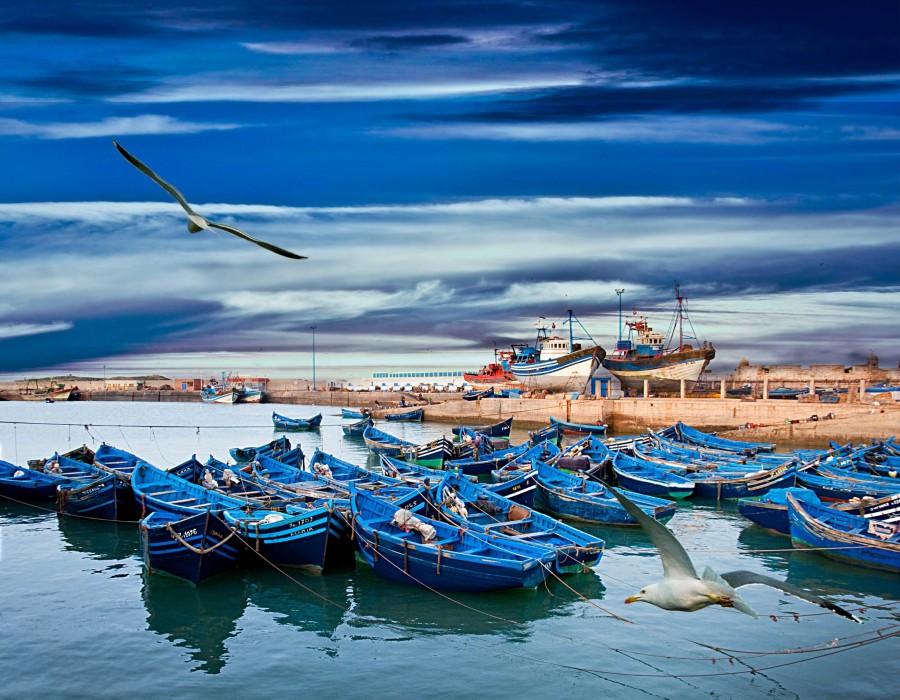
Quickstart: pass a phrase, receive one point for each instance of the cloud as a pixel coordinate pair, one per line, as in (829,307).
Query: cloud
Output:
(373,91)
(112,126)
(659,129)
(18,330)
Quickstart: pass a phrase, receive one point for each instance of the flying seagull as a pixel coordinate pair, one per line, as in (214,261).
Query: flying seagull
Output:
(195,221)
(681,587)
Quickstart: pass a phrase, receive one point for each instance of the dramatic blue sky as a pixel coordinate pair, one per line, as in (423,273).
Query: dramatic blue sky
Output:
(453,170)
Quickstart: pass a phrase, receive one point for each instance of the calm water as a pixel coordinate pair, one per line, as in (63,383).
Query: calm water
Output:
(80,619)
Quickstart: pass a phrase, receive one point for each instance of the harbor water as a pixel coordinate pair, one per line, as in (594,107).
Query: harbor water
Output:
(81,619)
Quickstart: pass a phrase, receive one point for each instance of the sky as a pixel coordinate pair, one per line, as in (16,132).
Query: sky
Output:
(453,171)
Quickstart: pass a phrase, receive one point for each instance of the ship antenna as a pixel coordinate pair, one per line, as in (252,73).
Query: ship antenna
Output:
(619,293)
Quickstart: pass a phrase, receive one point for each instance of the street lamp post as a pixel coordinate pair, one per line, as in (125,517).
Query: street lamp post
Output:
(314,356)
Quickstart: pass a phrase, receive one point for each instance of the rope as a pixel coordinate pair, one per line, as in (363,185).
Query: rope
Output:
(197,550)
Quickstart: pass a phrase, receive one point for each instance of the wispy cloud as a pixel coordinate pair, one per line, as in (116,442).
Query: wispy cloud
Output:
(113,126)
(645,129)
(256,91)
(16,330)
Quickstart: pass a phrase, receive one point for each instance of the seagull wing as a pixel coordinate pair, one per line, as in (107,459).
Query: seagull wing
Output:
(676,562)
(736,579)
(267,246)
(156,178)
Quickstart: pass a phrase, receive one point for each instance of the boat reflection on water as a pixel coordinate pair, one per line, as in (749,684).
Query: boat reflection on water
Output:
(824,576)
(199,619)
(311,602)
(103,540)
(419,611)
(843,583)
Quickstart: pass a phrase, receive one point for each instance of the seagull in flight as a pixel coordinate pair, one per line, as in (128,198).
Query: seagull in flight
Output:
(195,221)
(681,587)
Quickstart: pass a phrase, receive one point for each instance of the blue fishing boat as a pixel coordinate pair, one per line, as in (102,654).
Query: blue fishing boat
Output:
(193,547)
(24,484)
(314,536)
(770,510)
(832,488)
(520,489)
(575,497)
(358,428)
(471,505)
(476,395)
(300,531)
(698,437)
(643,477)
(570,428)
(104,494)
(418,551)
(414,415)
(380,442)
(285,423)
(783,392)
(500,429)
(727,484)
(275,449)
(844,536)
(156,489)
(550,433)
(357,413)
(115,460)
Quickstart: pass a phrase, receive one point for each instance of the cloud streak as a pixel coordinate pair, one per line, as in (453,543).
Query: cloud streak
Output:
(113,126)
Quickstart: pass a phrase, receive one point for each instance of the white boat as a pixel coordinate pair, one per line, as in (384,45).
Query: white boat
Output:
(556,363)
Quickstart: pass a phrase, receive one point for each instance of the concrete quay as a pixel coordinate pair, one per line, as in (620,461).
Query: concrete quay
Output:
(767,420)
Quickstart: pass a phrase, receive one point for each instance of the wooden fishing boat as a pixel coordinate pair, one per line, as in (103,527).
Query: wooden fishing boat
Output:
(501,429)
(698,437)
(451,559)
(192,547)
(24,484)
(832,488)
(771,509)
(416,414)
(380,442)
(575,497)
(642,477)
(357,413)
(286,532)
(358,428)
(500,518)
(104,493)
(432,454)
(662,360)
(551,433)
(578,428)
(722,484)
(216,393)
(116,460)
(285,423)
(844,536)
(476,395)
(275,449)
(783,392)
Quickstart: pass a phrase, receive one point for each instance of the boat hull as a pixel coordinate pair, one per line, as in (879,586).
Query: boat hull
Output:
(568,373)
(193,548)
(841,539)
(664,372)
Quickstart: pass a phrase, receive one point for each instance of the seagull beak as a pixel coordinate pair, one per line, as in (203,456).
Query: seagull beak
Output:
(633,599)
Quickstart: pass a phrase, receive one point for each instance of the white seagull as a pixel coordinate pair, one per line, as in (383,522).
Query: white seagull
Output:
(681,587)
(195,221)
